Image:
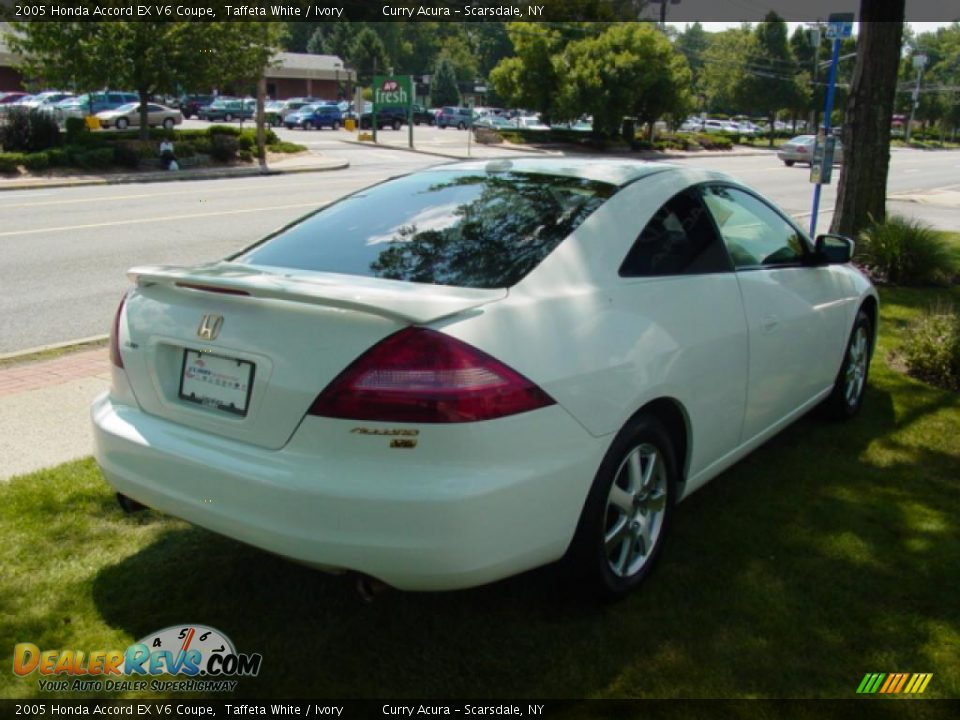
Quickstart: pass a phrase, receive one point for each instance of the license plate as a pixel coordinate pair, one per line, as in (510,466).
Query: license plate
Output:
(215,381)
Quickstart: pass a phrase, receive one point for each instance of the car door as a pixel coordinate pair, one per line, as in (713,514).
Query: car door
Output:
(678,285)
(796,311)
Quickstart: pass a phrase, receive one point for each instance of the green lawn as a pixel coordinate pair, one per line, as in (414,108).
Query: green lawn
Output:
(831,552)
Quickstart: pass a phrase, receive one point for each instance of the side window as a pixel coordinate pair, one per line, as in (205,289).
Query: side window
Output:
(755,234)
(679,240)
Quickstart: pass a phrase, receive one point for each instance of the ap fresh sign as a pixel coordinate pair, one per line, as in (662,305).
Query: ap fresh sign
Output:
(392,90)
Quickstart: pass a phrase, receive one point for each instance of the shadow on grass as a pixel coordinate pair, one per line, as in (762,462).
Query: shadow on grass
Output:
(830,552)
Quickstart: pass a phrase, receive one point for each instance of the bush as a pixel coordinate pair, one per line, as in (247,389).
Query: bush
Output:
(10,162)
(228,130)
(76,129)
(286,147)
(932,350)
(29,131)
(95,158)
(126,154)
(245,143)
(223,148)
(58,157)
(902,251)
(36,162)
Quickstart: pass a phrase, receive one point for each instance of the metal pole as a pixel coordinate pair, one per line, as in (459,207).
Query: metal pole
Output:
(827,111)
(919,61)
(410,113)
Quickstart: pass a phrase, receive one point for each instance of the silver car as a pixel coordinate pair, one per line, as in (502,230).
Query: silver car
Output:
(800,150)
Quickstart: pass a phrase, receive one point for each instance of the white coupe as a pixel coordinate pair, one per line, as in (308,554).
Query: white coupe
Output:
(477,369)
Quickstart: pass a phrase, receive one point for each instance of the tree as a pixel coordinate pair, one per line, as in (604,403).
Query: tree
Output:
(151,57)
(368,56)
(724,67)
(862,189)
(693,42)
(769,82)
(627,69)
(529,78)
(443,86)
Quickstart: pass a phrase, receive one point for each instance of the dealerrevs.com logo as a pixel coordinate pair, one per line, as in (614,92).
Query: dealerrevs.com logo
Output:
(204,656)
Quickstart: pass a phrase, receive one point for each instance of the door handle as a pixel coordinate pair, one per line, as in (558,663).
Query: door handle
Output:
(769,323)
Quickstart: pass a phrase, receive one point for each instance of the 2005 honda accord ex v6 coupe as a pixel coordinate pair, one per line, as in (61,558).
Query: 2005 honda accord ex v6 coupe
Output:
(480,368)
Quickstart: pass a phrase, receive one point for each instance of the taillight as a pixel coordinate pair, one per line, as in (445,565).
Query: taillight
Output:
(423,376)
(115,356)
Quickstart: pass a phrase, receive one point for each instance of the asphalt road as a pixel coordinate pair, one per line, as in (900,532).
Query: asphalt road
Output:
(65,251)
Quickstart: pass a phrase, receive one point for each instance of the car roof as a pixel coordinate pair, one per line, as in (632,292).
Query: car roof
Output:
(610,170)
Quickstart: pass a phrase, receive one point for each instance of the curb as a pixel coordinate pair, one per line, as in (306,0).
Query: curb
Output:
(180,176)
(381,146)
(17,354)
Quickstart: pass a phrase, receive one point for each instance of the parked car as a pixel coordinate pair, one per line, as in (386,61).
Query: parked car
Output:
(530,122)
(493,122)
(800,150)
(389,116)
(9,98)
(276,110)
(719,126)
(129,116)
(91,104)
(44,101)
(228,109)
(317,115)
(479,368)
(459,117)
(422,115)
(190,105)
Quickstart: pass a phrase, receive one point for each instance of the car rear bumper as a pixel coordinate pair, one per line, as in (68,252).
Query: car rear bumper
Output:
(468,505)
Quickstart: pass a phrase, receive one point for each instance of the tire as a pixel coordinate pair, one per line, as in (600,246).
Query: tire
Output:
(307,125)
(335,125)
(396,124)
(227,117)
(851,383)
(168,123)
(789,163)
(627,513)
(122,123)
(461,126)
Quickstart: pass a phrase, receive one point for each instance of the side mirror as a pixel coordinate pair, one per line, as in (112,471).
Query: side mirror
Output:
(834,249)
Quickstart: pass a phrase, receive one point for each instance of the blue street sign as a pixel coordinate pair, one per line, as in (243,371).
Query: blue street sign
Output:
(840,25)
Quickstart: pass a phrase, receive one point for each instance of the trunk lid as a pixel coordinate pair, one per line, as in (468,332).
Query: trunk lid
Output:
(286,335)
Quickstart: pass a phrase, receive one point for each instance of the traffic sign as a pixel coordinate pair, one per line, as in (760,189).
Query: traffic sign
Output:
(840,25)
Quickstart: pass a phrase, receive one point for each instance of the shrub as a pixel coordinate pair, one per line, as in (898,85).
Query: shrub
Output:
(36,162)
(126,154)
(76,129)
(245,142)
(902,251)
(245,155)
(286,147)
(223,148)
(10,162)
(58,157)
(932,350)
(29,131)
(95,158)
(202,145)
(229,130)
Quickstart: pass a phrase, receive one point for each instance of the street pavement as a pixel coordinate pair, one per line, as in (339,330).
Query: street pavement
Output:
(66,251)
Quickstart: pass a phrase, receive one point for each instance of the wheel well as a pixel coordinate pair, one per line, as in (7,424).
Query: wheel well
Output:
(670,412)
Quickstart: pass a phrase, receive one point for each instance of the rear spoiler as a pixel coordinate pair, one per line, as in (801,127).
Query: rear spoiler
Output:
(405,301)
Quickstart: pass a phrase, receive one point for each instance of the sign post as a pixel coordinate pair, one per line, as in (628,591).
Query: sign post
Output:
(392,91)
(821,167)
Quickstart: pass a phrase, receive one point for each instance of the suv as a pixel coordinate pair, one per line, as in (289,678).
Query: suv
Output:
(314,116)
(458,117)
(389,116)
(228,109)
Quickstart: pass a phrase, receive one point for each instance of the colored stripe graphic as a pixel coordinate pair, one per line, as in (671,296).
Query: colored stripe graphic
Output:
(894,683)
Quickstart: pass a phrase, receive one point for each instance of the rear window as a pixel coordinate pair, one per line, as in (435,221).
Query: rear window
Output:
(464,228)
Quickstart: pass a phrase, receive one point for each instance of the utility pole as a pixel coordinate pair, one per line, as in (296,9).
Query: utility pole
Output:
(815,41)
(663,11)
(919,62)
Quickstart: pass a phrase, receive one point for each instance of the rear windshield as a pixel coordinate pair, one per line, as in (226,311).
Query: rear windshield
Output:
(472,229)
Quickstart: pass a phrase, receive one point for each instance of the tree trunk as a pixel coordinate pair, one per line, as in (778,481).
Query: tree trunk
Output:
(862,191)
(772,119)
(261,135)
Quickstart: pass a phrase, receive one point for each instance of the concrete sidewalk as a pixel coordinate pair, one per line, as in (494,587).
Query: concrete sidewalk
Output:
(45,410)
(300,163)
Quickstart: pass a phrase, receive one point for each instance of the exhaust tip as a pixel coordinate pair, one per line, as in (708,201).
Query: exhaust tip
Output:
(129,505)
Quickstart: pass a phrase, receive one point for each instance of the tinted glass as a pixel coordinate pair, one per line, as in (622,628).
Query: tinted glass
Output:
(679,239)
(755,234)
(469,229)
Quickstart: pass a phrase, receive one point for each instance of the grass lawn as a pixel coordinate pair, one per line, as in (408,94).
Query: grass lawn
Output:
(831,552)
